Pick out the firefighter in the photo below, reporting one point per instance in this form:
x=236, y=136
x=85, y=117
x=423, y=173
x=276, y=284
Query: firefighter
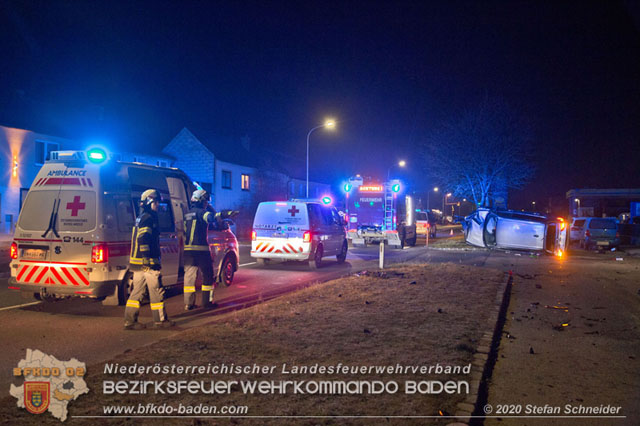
x=196, y=250
x=145, y=264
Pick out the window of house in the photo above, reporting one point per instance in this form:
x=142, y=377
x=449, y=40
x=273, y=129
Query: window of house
x=44, y=149
x=245, y=182
x=226, y=179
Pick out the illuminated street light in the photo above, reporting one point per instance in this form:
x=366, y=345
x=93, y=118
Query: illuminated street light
x=401, y=163
x=435, y=189
x=329, y=124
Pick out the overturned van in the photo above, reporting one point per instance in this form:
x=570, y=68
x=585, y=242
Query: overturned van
x=73, y=236
x=515, y=230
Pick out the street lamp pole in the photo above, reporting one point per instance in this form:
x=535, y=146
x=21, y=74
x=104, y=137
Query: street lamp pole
x=429, y=197
x=328, y=124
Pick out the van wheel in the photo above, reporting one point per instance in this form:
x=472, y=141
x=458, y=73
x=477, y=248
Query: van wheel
x=121, y=292
x=316, y=263
x=226, y=271
x=262, y=261
x=342, y=256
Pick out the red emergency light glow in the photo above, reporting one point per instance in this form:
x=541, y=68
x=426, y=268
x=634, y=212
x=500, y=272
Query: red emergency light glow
x=371, y=188
x=14, y=251
x=306, y=237
x=99, y=253
x=253, y=235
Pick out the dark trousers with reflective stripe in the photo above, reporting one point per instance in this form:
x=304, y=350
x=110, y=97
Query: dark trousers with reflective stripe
x=151, y=280
x=195, y=261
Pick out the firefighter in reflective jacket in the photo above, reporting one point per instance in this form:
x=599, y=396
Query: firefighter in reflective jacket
x=196, y=250
x=145, y=264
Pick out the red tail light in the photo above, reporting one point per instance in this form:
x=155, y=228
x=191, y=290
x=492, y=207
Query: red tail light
x=587, y=233
x=428, y=225
x=306, y=237
x=14, y=251
x=99, y=253
x=253, y=235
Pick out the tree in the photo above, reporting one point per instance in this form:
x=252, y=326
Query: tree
x=481, y=153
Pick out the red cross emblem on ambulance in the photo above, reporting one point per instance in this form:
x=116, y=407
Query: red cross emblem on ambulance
x=293, y=210
x=75, y=206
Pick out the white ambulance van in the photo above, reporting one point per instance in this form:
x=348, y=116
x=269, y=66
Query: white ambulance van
x=73, y=236
x=298, y=230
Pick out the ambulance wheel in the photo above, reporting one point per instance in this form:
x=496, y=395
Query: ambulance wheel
x=262, y=261
x=226, y=271
x=342, y=256
x=316, y=263
x=121, y=292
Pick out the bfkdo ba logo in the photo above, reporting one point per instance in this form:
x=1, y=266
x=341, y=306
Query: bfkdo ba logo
x=49, y=384
x=36, y=396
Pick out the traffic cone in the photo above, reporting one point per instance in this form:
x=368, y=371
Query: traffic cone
x=451, y=232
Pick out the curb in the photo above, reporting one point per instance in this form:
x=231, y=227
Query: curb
x=470, y=412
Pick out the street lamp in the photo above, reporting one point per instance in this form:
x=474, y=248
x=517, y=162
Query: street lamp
x=444, y=198
x=329, y=124
x=435, y=189
x=533, y=203
x=401, y=163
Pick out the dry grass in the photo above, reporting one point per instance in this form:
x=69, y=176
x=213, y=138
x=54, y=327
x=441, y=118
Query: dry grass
x=408, y=315
x=457, y=241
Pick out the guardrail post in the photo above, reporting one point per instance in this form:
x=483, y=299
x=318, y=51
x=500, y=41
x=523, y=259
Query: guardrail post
x=381, y=257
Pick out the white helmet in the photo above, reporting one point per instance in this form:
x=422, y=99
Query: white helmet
x=200, y=195
x=149, y=196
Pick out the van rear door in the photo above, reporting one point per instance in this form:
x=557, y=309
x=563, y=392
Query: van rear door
x=281, y=220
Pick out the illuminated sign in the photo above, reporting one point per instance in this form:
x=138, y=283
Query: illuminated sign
x=371, y=188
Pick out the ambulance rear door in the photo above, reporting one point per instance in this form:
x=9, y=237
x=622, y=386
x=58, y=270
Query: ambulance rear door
x=59, y=215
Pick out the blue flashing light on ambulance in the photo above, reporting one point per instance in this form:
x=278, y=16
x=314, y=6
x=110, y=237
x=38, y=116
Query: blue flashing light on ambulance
x=379, y=212
x=73, y=235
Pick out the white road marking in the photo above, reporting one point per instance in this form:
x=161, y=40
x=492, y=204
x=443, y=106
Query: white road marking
x=247, y=264
x=19, y=306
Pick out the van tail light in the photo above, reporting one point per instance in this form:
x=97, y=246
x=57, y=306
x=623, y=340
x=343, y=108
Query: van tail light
x=253, y=235
x=587, y=233
x=14, y=251
x=99, y=253
x=562, y=225
x=428, y=225
x=306, y=237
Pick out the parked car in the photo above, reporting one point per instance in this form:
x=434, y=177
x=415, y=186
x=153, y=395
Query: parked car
x=600, y=232
x=426, y=221
x=298, y=230
x=576, y=231
x=516, y=230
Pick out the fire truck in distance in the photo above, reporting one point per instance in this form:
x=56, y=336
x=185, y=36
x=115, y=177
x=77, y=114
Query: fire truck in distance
x=379, y=212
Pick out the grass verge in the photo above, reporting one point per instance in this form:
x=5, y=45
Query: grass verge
x=419, y=315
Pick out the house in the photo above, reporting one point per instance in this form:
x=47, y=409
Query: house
x=237, y=175
x=23, y=152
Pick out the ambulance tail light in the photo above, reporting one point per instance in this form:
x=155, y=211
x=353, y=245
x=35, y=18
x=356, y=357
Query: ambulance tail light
x=99, y=253
x=306, y=237
x=14, y=251
x=253, y=235
x=587, y=233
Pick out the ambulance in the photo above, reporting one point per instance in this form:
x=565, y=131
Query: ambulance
x=298, y=230
x=73, y=235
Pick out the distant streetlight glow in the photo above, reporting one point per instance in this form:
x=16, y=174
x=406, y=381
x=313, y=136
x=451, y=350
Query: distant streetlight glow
x=329, y=124
x=402, y=163
x=435, y=189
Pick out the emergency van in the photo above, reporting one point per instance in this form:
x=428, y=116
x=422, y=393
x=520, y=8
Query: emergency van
x=73, y=235
x=298, y=230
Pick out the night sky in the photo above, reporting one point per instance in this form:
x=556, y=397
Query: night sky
x=132, y=74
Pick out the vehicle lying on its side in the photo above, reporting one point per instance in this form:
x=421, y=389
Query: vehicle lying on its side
x=515, y=230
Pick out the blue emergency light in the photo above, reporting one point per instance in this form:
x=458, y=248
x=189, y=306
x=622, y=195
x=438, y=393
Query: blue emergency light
x=326, y=199
x=347, y=187
x=395, y=187
x=96, y=155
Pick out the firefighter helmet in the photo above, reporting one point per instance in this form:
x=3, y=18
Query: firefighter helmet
x=149, y=196
x=200, y=195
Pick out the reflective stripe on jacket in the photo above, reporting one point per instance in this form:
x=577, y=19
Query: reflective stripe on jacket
x=145, y=242
x=196, y=223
